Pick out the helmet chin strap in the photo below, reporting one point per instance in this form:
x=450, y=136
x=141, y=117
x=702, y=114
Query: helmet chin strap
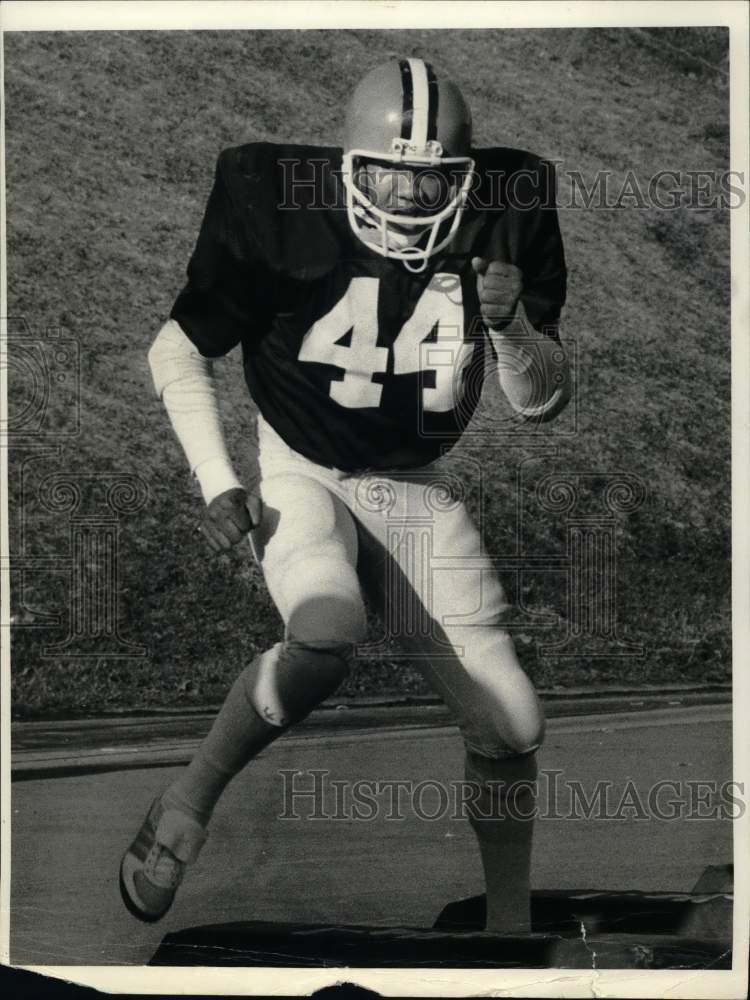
x=371, y=232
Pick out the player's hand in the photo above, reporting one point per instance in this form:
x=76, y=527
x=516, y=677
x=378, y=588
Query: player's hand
x=499, y=286
x=229, y=517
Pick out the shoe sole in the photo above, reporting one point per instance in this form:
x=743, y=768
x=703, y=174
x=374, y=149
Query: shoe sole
x=130, y=906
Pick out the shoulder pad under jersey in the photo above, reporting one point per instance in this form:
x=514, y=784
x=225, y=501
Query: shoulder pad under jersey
x=285, y=196
x=512, y=178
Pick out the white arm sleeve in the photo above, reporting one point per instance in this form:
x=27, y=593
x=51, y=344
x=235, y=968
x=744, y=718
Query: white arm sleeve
x=533, y=371
x=184, y=380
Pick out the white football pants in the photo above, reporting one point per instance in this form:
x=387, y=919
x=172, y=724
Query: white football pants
x=404, y=541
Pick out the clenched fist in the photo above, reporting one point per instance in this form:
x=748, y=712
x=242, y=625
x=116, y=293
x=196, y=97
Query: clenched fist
x=498, y=286
x=229, y=517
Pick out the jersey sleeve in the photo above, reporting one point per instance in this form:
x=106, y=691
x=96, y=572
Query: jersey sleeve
x=542, y=258
x=225, y=300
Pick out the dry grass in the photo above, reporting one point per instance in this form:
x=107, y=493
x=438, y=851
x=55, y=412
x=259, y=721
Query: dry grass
x=111, y=144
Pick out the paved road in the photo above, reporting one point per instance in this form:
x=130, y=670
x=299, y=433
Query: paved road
x=69, y=832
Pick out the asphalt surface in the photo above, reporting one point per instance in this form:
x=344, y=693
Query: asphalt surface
x=70, y=826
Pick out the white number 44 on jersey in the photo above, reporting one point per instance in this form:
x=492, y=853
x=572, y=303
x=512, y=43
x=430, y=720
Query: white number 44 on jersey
x=440, y=306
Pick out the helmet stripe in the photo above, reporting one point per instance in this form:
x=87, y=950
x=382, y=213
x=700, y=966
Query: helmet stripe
x=407, y=109
x=432, y=115
x=421, y=102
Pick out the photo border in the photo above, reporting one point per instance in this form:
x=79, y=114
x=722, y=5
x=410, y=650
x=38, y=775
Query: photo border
x=32, y=16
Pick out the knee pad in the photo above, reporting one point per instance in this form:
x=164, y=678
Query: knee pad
x=288, y=681
x=524, y=734
x=495, y=730
x=498, y=710
x=328, y=618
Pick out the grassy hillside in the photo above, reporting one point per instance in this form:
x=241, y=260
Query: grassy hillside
x=111, y=145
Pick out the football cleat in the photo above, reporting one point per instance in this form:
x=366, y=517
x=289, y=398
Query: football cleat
x=406, y=166
x=152, y=867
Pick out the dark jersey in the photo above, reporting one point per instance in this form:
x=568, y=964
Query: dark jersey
x=355, y=361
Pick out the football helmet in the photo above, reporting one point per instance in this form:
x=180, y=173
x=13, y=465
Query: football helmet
x=406, y=166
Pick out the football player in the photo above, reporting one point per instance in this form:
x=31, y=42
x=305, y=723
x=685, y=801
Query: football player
x=366, y=286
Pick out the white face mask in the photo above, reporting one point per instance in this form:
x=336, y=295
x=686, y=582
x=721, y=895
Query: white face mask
x=396, y=231
x=371, y=234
